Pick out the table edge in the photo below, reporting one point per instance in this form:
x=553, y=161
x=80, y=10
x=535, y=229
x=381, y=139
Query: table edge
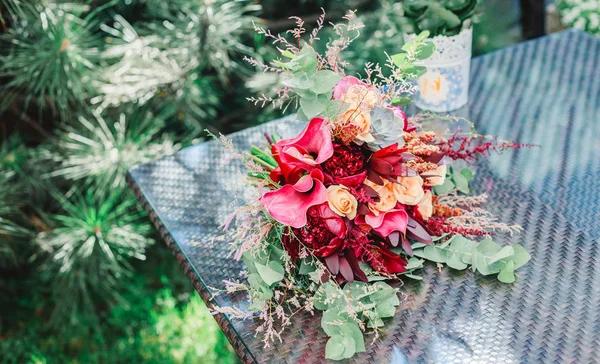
x=222, y=320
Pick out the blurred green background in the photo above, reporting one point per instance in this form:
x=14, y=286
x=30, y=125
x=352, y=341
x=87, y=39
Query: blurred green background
x=88, y=88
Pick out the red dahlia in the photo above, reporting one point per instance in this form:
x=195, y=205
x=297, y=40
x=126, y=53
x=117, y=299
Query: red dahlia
x=347, y=160
x=324, y=232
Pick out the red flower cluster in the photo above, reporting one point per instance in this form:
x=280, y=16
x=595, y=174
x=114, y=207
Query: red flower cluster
x=342, y=201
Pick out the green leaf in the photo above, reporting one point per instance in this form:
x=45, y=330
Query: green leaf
x=329, y=317
x=312, y=107
x=325, y=81
x=307, y=266
x=352, y=330
x=286, y=53
x=444, y=188
x=425, y=50
x=334, y=349
x=461, y=182
x=455, y=262
x=520, y=256
x=375, y=322
x=469, y=174
x=505, y=252
x=270, y=274
x=299, y=81
x=433, y=253
x=415, y=71
x=414, y=263
x=418, y=245
x=401, y=101
x=385, y=309
x=349, y=347
x=399, y=59
x=412, y=276
x=507, y=274
x=423, y=35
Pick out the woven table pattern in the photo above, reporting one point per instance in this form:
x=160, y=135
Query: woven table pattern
x=544, y=92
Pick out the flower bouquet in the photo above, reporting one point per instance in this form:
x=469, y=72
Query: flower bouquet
x=363, y=195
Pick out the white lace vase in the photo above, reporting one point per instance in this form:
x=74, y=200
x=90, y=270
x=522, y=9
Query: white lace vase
x=445, y=86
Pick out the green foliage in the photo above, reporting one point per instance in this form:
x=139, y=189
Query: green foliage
x=164, y=321
x=87, y=251
x=47, y=56
x=418, y=49
x=102, y=151
x=447, y=17
x=485, y=257
x=455, y=179
x=366, y=303
x=314, y=88
x=584, y=15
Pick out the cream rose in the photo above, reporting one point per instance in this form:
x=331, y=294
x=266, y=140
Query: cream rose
x=360, y=119
x=409, y=190
x=362, y=95
x=387, y=199
x=425, y=206
x=341, y=201
x=439, y=178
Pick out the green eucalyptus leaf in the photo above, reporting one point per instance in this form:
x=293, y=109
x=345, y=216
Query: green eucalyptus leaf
x=334, y=349
x=469, y=174
x=520, y=256
x=271, y=274
x=352, y=330
x=434, y=254
x=505, y=252
x=455, y=262
x=461, y=182
x=412, y=276
x=325, y=81
x=312, y=107
x=507, y=274
x=329, y=321
x=299, y=81
x=307, y=266
x=444, y=188
x=414, y=263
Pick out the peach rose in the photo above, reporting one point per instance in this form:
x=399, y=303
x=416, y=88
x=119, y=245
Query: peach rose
x=387, y=199
x=362, y=95
x=440, y=177
x=341, y=201
x=360, y=119
x=425, y=206
x=409, y=190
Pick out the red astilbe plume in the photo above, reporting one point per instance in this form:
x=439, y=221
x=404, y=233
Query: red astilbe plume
x=469, y=148
x=440, y=226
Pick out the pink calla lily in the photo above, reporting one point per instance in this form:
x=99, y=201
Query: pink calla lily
x=289, y=204
x=386, y=222
x=303, y=153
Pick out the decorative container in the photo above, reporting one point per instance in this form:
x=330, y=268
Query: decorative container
x=445, y=86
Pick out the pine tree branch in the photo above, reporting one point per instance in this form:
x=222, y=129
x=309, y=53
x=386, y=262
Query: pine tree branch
x=33, y=123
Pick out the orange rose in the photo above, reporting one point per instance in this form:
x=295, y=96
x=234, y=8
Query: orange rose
x=387, y=199
x=440, y=177
x=425, y=206
x=341, y=201
x=409, y=190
